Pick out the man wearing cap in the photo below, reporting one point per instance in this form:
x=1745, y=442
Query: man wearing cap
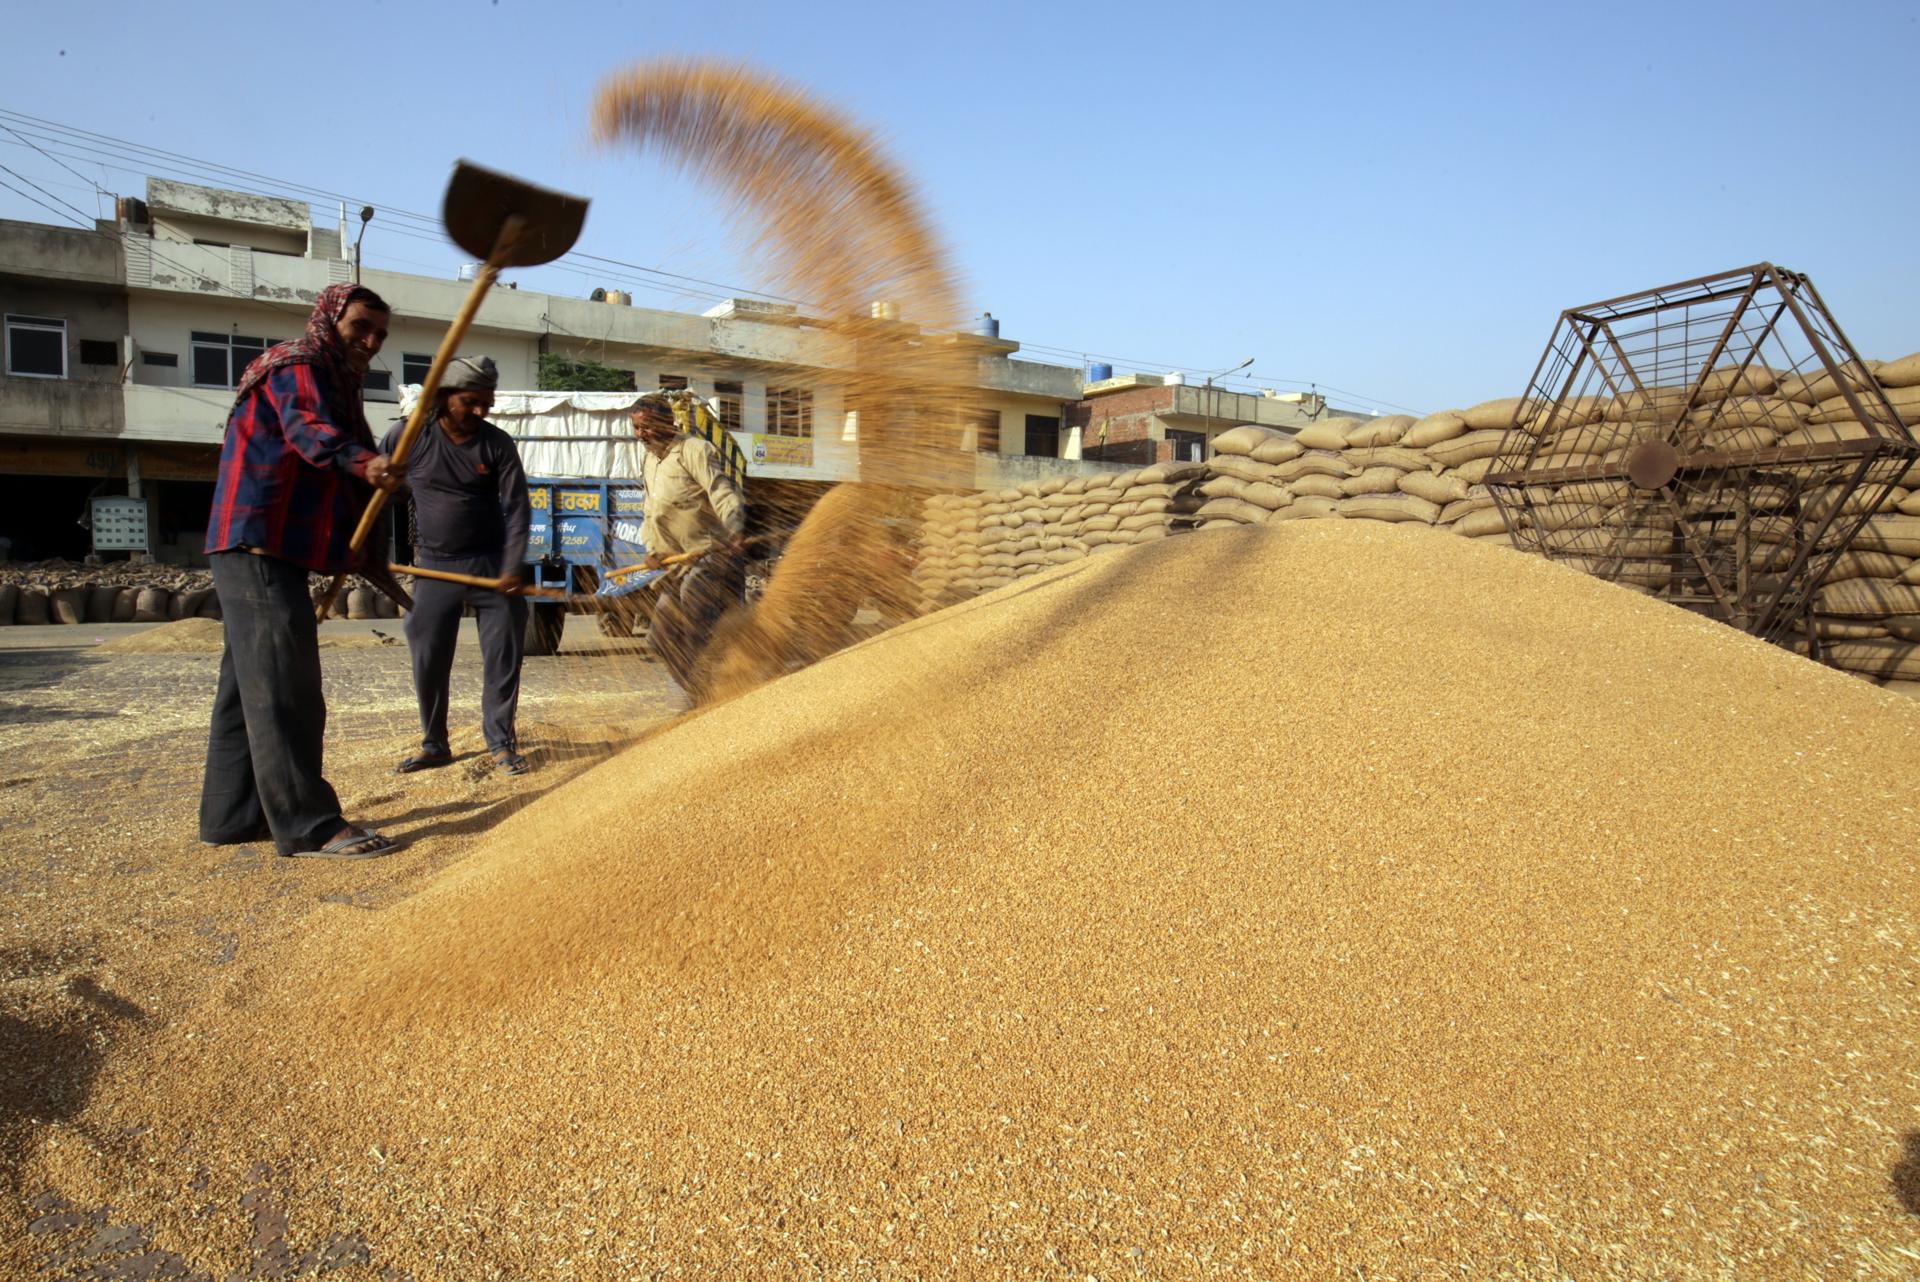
x=693, y=506
x=471, y=516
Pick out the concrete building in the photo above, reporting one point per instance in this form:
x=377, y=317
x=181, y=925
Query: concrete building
x=123, y=344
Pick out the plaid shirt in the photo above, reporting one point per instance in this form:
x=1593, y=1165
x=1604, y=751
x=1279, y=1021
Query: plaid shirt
x=289, y=474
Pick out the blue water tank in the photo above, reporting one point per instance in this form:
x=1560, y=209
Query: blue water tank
x=987, y=326
x=1099, y=373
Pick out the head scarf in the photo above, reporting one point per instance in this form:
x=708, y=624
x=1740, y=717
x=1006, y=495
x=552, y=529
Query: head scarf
x=470, y=374
x=321, y=346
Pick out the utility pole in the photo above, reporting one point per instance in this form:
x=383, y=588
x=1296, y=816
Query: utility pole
x=366, y=216
x=1206, y=412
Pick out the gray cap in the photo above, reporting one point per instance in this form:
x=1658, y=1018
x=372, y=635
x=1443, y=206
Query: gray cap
x=471, y=374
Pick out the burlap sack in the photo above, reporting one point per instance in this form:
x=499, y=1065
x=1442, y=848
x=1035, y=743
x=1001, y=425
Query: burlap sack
x=1282, y=451
x=1318, y=463
x=1904, y=372
x=1240, y=442
x=1732, y=440
x=1892, y=658
x=1593, y=493
x=1161, y=473
x=152, y=605
x=1829, y=629
x=1305, y=507
x=1316, y=486
x=1651, y=405
x=1764, y=411
x=384, y=606
x=1322, y=436
x=9, y=603
x=100, y=602
x=1374, y=480
x=1867, y=598
x=1474, y=471
x=1149, y=535
x=1244, y=469
x=1145, y=521
x=31, y=609
x=1230, y=509
x=1388, y=507
x=69, y=605
x=1396, y=456
x=1486, y=520
x=1270, y=497
x=1904, y=626
x=1434, y=487
x=1855, y=564
x=1905, y=402
x=1123, y=510
x=1539, y=417
x=1433, y=429
x=191, y=601
x=1465, y=507
x=1223, y=487
x=1460, y=450
x=1733, y=380
x=1381, y=431
x=1495, y=415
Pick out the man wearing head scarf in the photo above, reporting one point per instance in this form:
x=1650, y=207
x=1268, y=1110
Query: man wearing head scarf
x=471, y=515
x=693, y=506
x=297, y=468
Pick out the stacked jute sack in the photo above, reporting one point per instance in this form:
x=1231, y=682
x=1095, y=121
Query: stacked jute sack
x=122, y=592
x=973, y=543
x=359, y=600
x=1431, y=471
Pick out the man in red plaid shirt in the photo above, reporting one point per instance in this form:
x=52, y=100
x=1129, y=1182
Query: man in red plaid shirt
x=296, y=471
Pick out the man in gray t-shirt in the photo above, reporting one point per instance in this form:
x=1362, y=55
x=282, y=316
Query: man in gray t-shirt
x=471, y=515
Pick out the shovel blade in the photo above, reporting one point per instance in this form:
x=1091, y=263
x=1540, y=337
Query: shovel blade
x=479, y=201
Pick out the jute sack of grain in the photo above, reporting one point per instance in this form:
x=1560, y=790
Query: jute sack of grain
x=190, y=602
x=1029, y=544
x=1486, y=520
x=1161, y=473
x=1905, y=401
x=1150, y=534
x=9, y=603
x=1433, y=429
x=1498, y=539
x=1283, y=451
x=1157, y=490
x=1434, y=487
x=1100, y=524
x=1475, y=470
x=1317, y=486
x=1855, y=564
x=1394, y=456
x=1651, y=404
x=1270, y=497
x=1457, y=451
x=32, y=608
x=1061, y=556
x=1323, y=436
x=1815, y=384
x=1145, y=521
x=1239, y=442
x=1026, y=559
x=1465, y=507
x=69, y=605
x=1318, y=463
x=1374, y=480
x=1733, y=380
x=1907, y=506
x=1388, y=507
x=1232, y=510
x=1497, y=415
x=1244, y=469
x=100, y=603
x=1123, y=510
x=1762, y=411
x=997, y=561
x=1305, y=507
x=1223, y=487
x=1219, y=525
x=1729, y=440
x=1381, y=431
x=1830, y=629
x=1904, y=372
x=1593, y=493
x=1904, y=626
x=1592, y=541
x=1891, y=658
x=152, y=605
x=1538, y=417
x=1867, y=599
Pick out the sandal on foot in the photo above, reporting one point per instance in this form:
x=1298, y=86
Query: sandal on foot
x=352, y=844
x=423, y=761
x=510, y=762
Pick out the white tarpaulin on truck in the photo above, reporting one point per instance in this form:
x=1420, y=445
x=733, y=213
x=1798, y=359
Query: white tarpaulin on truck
x=565, y=434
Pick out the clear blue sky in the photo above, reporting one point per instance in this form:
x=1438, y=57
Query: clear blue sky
x=1393, y=199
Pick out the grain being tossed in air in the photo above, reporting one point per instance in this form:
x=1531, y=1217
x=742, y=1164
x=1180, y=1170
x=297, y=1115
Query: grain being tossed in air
x=1411, y=908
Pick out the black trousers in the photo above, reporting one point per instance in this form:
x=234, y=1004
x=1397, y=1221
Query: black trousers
x=269, y=714
x=433, y=628
x=684, y=618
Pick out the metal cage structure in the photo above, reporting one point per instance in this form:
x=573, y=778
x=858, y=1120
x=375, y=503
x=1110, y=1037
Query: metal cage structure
x=1715, y=443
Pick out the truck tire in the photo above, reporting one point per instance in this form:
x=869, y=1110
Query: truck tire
x=546, y=620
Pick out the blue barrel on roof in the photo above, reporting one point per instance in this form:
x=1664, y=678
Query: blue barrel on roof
x=1099, y=373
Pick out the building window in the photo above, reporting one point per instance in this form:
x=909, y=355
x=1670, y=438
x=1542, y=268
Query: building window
x=789, y=411
x=414, y=367
x=1188, y=447
x=36, y=347
x=220, y=359
x=167, y=360
x=99, y=351
x=729, y=397
x=378, y=381
x=673, y=382
x=1043, y=436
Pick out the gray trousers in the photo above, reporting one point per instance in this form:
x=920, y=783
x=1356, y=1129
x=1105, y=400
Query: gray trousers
x=433, y=628
x=269, y=714
x=684, y=618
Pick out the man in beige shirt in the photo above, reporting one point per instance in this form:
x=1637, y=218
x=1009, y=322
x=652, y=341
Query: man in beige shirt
x=692, y=505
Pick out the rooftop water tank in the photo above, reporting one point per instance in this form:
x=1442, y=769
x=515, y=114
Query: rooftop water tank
x=1099, y=372
x=1176, y=379
x=469, y=271
x=987, y=326
x=619, y=298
